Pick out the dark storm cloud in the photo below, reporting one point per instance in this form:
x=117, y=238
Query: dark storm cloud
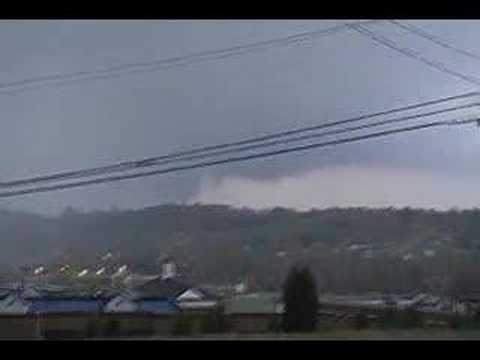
x=99, y=122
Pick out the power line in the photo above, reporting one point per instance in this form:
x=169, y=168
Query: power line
x=193, y=153
x=233, y=159
x=412, y=54
x=310, y=136
x=153, y=65
x=433, y=38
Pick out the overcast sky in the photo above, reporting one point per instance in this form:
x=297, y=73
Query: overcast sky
x=98, y=122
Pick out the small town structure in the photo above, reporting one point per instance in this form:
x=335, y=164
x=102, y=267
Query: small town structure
x=254, y=313
x=155, y=305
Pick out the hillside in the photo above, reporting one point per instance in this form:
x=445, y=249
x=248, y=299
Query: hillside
x=352, y=249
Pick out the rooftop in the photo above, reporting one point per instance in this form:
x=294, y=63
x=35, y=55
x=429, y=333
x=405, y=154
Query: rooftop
x=159, y=288
x=255, y=303
x=61, y=306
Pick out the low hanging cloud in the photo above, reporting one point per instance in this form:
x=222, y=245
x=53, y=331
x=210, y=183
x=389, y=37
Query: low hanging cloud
x=344, y=186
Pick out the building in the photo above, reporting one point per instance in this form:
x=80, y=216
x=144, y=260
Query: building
x=14, y=321
x=369, y=300
x=177, y=291
x=254, y=313
x=129, y=313
x=65, y=305
x=467, y=304
x=123, y=303
x=156, y=307
x=12, y=303
x=169, y=269
x=135, y=280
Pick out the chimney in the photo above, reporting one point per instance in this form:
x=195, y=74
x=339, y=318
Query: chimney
x=169, y=269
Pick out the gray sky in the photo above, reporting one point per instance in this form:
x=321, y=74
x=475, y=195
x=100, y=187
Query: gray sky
x=99, y=122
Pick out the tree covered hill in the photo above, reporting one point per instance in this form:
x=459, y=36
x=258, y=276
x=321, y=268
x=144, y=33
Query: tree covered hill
x=351, y=249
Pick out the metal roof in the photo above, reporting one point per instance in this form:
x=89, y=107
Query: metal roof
x=61, y=306
x=156, y=307
x=256, y=303
x=161, y=289
x=13, y=305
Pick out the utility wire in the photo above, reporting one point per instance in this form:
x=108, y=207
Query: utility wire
x=309, y=136
x=433, y=38
x=233, y=159
x=193, y=153
x=413, y=54
x=149, y=66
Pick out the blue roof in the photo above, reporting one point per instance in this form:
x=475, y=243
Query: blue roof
x=57, y=306
x=157, y=307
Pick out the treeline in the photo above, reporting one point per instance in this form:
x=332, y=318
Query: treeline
x=352, y=249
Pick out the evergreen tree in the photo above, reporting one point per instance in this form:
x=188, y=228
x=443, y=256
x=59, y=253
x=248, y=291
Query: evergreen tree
x=301, y=301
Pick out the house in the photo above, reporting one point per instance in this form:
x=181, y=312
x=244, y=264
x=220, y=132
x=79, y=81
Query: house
x=133, y=312
x=73, y=313
x=32, y=312
x=21, y=298
x=219, y=291
x=254, y=313
x=14, y=322
x=48, y=306
x=12, y=303
x=196, y=299
x=410, y=301
x=255, y=303
x=17, y=300
x=30, y=292
x=134, y=280
x=368, y=300
x=182, y=294
x=172, y=287
x=467, y=304
x=159, y=287
x=156, y=307
x=433, y=304
x=73, y=301
x=120, y=304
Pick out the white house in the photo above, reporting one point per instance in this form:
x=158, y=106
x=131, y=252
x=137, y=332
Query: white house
x=123, y=303
x=194, y=299
x=183, y=295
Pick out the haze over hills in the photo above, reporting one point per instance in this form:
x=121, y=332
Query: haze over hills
x=351, y=249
